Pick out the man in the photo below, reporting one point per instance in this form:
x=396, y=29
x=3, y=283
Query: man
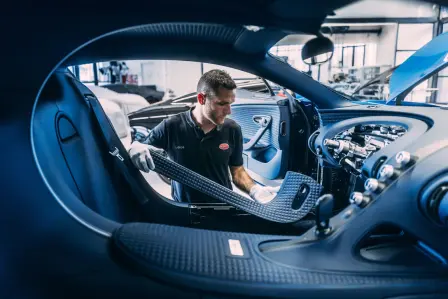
x=124, y=71
x=205, y=141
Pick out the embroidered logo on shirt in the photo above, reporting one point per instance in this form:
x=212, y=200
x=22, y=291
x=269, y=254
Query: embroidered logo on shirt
x=224, y=146
x=179, y=147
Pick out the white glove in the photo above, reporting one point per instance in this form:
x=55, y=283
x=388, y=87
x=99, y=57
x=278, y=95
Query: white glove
x=263, y=194
x=141, y=157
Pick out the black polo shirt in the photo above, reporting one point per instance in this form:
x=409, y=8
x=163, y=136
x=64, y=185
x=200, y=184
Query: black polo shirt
x=208, y=154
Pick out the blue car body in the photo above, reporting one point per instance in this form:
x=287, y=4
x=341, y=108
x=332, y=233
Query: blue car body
x=424, y=63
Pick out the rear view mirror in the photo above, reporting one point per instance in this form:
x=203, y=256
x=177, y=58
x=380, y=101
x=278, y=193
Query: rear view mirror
x=317, y=51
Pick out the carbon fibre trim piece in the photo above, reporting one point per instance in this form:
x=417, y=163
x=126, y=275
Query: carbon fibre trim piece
x=212, y=32
x=295, y=187
x=202, y=259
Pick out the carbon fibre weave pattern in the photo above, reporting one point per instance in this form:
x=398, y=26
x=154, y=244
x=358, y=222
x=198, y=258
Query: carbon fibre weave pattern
x=212, y=32
x=171, y=250
x=278, y=210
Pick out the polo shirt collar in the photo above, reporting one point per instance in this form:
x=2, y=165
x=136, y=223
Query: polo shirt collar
x=192, y=123
x=190, y=119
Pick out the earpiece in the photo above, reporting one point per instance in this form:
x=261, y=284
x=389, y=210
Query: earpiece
x=201, y=98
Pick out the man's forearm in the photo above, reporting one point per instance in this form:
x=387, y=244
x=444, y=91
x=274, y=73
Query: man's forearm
x=242, y=179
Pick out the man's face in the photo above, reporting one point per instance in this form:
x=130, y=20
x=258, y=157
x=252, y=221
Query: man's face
x=218, y=107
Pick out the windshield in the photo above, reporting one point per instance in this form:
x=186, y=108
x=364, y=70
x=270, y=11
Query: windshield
x=429, y=90
x=364, y=59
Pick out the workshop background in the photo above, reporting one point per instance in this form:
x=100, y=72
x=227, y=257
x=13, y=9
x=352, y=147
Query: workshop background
x=369, y=39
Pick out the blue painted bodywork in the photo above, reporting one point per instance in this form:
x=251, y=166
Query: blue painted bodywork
x=392, y=103
x=430, y=59
x=424, y=63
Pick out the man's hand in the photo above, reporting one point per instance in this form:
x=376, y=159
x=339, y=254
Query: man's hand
x=263, y=194
x=141, y=157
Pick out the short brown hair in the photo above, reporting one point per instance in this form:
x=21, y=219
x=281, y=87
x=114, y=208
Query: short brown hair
x=211, y=81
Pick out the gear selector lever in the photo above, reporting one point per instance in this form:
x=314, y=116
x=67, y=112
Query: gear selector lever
x=324, y=211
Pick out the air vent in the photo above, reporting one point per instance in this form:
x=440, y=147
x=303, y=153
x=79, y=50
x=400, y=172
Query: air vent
x=434, y=201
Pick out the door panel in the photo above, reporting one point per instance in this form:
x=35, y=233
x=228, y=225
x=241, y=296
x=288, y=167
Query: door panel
x=243, y=113
x=268, y=158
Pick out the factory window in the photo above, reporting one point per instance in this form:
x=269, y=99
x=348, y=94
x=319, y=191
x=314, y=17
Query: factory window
x=411, y=37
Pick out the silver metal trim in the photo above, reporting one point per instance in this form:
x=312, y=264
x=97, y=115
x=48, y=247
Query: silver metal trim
x=403, y=158
x=386, y=171
x=371, y=185
x=356, y=198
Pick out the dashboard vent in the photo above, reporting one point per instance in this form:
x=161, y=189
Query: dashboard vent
x=434, y=201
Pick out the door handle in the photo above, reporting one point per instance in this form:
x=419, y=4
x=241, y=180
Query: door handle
x=264, y=121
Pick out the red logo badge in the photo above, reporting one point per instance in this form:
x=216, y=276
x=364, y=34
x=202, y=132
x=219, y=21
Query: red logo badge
x=224, y=146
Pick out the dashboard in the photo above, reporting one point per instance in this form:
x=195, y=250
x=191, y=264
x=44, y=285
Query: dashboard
x=400, y=155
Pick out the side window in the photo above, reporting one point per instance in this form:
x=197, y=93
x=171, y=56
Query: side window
x=188, y=100
x=153, y=81
x=244, y=80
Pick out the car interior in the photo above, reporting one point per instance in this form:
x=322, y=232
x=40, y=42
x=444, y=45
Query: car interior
x=266, y=121
x=361, y=212
x=265, y=156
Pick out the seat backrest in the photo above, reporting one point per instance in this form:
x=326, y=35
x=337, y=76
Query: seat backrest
x=67, y=145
